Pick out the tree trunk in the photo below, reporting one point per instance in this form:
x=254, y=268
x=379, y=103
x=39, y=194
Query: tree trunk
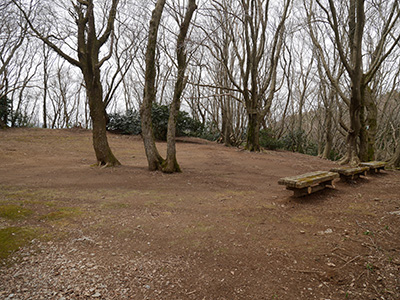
x=45, y=87
x=103, y=152
x=395, y=160
x=372, y=123
x=351, y=157
x=90, y=66
x=253, y=133
x=356, y=29
x=329, y=137
x=227, y=130
x=154, y=159
x=363, y=147
x=171, y=164
x=369, y=126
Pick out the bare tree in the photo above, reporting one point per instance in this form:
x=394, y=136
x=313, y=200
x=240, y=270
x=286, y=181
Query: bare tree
x=12, y=34
x=154, y=158
x=155, y=161
x=87, y=49
x=348, y=40
x=171, y=164
x=254, y=73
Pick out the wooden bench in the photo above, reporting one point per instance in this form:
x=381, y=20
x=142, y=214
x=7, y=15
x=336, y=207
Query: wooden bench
x=350, y=173
x=308, y=183
x=374, y=166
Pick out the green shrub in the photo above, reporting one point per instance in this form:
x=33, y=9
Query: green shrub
x=187, y=126
x=20, y=120
x=297, y=142
x=334, y=155
x=129, y=123
x=160, y=115
x=294, y=141
x=5, y=110
x=268, y=141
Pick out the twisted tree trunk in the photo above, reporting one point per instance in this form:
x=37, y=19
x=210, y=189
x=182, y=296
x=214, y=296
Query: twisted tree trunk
x=171, y=164
x=154, y=159
x=395, y=160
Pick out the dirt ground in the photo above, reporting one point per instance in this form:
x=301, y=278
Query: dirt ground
x=222, y=229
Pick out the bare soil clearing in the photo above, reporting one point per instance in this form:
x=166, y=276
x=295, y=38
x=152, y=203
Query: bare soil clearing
x=222, y=229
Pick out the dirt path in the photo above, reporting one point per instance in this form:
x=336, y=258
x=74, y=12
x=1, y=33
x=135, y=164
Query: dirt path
x=222, y=229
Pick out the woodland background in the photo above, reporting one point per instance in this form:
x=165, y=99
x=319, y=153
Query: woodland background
x=314, y=76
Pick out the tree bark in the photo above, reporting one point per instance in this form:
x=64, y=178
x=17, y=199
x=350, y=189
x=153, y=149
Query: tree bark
x=226, y=115
x=253, y=133
x=352, y=157
x=329, y=121
x=371, y=123
x=154, y=159
x=103, y=152
x=363, y=145
x=45, y=86
x=171, y=164
x=90, y=65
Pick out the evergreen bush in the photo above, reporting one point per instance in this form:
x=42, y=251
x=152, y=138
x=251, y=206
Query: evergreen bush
x=268, y=141
x=297, y=141
x=129, y=123
x=5, y=111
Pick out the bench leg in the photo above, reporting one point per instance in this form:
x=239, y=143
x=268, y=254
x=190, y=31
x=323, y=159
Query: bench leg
x=377, y=170
x=328, y=183
x=353, y=177
x=311, y=189
x=302, y=192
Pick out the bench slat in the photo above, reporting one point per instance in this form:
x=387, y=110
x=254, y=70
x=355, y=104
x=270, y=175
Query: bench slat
x=349, y=171
x=374, y=164
x=308, y=179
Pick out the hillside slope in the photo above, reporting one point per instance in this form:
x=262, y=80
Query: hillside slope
x=222, y=229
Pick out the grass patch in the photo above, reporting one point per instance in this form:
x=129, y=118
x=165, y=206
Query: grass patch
x=114, y=205
x=25, y=194
x=14, y=212
x=62, y=213
x=48, y=204
x=13, y=238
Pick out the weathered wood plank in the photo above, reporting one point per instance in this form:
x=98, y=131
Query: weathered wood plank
x=348, y=172
x=308, y=179
x=374, y=166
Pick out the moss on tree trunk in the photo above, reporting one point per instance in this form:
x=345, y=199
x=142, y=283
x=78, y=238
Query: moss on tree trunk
x=253, y=133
